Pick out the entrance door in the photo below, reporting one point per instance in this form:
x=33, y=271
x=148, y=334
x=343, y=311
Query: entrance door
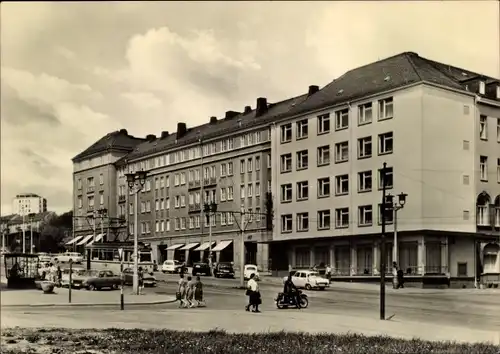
x=251, y=253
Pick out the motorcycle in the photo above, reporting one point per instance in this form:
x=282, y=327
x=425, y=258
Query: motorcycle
x=283, y=302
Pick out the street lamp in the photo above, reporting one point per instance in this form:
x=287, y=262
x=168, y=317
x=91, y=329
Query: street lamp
x=136, y=182
x=31, y=217
x=102, y=214
x=395, y=206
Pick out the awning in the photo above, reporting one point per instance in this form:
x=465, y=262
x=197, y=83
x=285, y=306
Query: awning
x=189, y=246
x=97, y=239
x=74, y=240
x=221, y=245
x=174, y=247
x=204, y=246
x=85, y=240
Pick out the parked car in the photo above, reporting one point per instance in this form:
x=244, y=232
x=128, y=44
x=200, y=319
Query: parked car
x=148, y=278
x=67, y=256
x=249, y=270
x=65, y=276
x=44, y=257
x=96, y=280
x=308, y=279
x=171, y=266
x=224, y=270
x=201, y=268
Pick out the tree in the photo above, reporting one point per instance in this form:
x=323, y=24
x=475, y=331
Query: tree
x=54, y=230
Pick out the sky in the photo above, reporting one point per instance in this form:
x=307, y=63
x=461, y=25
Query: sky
x=72, y=72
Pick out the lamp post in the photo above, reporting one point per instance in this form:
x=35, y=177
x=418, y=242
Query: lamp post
x=136, y=182
x=395, y=206
x=382, y=245
x=31, y=217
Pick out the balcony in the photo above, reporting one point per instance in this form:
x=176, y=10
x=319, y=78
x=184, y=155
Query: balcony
x=122, y=199
x=194, y=208
x=209, y=181
x=90, y=190
x=194, y=185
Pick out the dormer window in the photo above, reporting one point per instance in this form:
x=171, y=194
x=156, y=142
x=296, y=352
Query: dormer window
x=498, y=92
x=482, y=87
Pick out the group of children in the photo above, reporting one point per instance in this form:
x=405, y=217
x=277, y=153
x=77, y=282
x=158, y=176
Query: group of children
x=190, y=292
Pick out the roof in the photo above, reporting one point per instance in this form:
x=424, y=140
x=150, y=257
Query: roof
x=117, y=140
x=391, y=73
x=15, y=219
x=213, y=130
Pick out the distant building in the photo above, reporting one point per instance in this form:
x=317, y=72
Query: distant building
x=24, y=204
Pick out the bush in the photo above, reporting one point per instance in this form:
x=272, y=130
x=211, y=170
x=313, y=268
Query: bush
x=215, y=341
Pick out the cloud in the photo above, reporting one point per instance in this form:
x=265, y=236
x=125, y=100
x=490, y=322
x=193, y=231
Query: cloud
x=65, y=53
x=143, y=99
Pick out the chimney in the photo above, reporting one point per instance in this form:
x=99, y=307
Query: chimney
x=181, y=130
x=247, y=110
x=150, y=137
x=124, y=131
x=312, y=90
x=213, y=120
x=164, y=134
x=261, y=106
x=231, y=114
x=482, y=88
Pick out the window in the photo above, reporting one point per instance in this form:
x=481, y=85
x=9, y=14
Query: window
x=286, y=133
x=101, y=198
x=167, y=181
x=286, y=193
x=223, y=170
x=79, y=183
x=498, y=170
x=162, y=226
x=324, y=220
x=242, y=191
x=341, y=218
x=250, y=165
x=257, y=189
x=90, y=181
x=389, y=215
x=131, y=209
x=342, y=119
x=162, y=204
x=389, y=178
x=324, y=187
x=176, y=180
x=230, y=192
x=385, y=143
x=101, y=179
x=385, y=109
x=364, y=147
x=229, y=168
x=177, y=201
x=483, y=218
x=342, y=185
x=302, y=160
x=364, y=181
x=462, y=269
x=257, y=214
x=157, y=226
x=286, y=223
x=342, y=152
x=483, y=127
x=183, y=178
x=286, y=163
x=302, y=190
x=324, y=155
x=365, y=217
x=365, y=113
x=223, y=194
x=302, y=222
x=250, y=190
x=183, y=201
x=80, y=202
x=269, y=161
x=257, y=163
x=242, y=166
x=157, y=205
x=230, y=218
x=324, y=124
x=302, y=129
x=466, y=144
x=483, y=168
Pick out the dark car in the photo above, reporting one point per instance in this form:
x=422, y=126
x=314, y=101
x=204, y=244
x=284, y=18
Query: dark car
x=201, y=268
x=224, y=270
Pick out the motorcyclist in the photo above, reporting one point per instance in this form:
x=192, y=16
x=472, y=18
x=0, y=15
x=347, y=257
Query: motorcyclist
x=291, y=291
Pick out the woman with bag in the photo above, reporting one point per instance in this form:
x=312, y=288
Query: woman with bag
x=254, y=294
x=181, y=291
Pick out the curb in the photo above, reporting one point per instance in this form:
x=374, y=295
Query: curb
x=161, y=302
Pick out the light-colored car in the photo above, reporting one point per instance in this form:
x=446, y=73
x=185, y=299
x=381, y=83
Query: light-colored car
x=171, y=266
x=45, y=257
x=148, y=278
x=67, y=256
x=308, y=279
x=65, y=276
x=249, y=270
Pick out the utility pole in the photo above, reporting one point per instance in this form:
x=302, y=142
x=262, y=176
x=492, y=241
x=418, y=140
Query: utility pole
x=31, y=235
x=24, y=233
x=242, y=250
x=382, y=246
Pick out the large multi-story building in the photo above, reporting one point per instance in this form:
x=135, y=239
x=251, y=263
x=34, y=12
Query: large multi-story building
x=316, y=161
x=28, y=203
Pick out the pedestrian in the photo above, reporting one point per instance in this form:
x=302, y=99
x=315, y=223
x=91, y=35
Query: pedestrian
x=395, y=282
x=59, y=276
x=181, y=291
x=190, y=291
x=401, y=281
x=329, y=273
x=140, y=275
x=198, y=292
x=254, y=294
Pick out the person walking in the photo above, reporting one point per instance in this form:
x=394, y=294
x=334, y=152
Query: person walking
x=140, y=275
x=190, y=291
x=198, y=292
x=395, y=282
x=254, y=294
x=329, y=273
x=181, y=291
x=59, y=276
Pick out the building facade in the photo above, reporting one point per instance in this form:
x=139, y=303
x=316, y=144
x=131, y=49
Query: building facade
x=309, y=169
x=29, y=203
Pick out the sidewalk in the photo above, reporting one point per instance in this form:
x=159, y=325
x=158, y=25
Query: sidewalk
x=36, y=298
x=243, y=322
